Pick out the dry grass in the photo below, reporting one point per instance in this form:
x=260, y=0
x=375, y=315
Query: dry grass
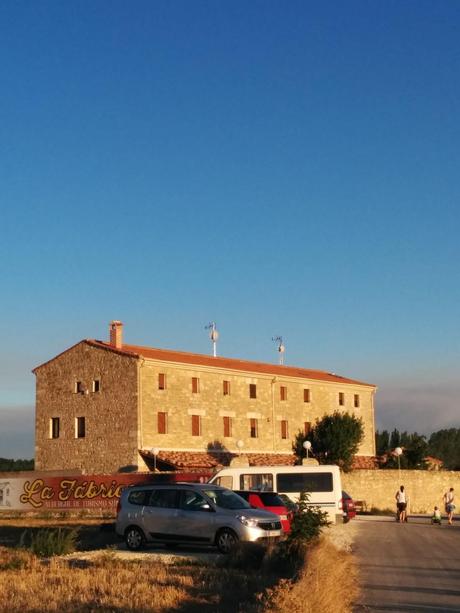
x=110, y=584
x=327, y=582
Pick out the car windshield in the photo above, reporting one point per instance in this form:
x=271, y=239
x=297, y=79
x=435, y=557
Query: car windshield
x=226, y=499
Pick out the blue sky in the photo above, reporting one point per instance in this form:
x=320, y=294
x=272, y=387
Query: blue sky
x=280, y=168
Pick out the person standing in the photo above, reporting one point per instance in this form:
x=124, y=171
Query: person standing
x=450, y=505
x=401, y=503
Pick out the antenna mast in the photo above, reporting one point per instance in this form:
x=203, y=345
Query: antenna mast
x=213, y=335
x=281, y=348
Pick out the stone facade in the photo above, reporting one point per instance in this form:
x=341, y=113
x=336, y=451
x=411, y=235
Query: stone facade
x=377, y=488
x=111, y=436
x=179, y=403
x=129, y=399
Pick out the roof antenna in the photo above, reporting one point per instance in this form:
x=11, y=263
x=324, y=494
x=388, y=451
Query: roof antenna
x=213, y=335
x=281, y=348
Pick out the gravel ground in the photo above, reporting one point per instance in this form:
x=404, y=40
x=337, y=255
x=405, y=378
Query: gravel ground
x=342, y=535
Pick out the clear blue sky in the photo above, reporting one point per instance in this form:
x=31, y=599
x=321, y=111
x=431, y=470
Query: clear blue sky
x=279, y=167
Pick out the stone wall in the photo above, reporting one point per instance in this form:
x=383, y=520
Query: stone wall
x=179, y=403
x=425, y=489
x=111, y=438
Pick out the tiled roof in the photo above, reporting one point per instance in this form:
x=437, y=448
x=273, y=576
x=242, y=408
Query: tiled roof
x=194, y=460
x=365, y=462
x=182, y=357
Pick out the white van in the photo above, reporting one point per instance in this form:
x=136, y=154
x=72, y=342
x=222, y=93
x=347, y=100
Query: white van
x=323, y=483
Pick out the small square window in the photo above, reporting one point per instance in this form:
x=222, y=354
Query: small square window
x=161, y=381
x=356, y=401
x=253, y=428
x=196, y=425
x=283, y=392
x=96, y=385
x=306, y=395
x=341, y=399
x=252, y=390
x=162, y=422
x=80, y=427
x=79, y=387
x=227, y=427
x=226, y=388
x=284, y=428
x=195, y=385
x=54, y=427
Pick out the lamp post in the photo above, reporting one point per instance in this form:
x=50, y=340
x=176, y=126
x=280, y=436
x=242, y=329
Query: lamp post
x=398, y=452
x=240, y=445
x=307, y=446
x=155, y=452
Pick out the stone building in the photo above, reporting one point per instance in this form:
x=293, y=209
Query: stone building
x=104, y=407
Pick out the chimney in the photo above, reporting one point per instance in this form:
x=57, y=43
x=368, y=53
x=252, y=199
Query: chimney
x=116, y=334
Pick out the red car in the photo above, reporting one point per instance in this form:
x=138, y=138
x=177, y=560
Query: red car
x=348, y=507
x=270, y=501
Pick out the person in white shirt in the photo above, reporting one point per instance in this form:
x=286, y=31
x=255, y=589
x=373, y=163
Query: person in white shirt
x=401, y=504
x=450, y=506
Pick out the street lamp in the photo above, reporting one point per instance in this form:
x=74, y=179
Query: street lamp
x=398, y=452
x=240, y=445
x=307, y=446
x=155, y=452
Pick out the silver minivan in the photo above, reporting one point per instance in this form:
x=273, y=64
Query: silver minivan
x=192, y=513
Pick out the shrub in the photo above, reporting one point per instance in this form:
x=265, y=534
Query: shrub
x=49, y=542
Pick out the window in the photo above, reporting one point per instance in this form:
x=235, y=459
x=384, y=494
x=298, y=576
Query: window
x=227, y=426
x=356, y=401
x=196, y=425
x=226, y=388
x=258, y=482
x=284, y=428
x=195, y=385
x=161, y=381
x=54, y=427
x=80, y=427
x=162, y=423
x=252, y=390
x=192, y=501
x=253, y=428
x=308, y=482
x=283, y=392
x=225, y=481
x=165, y=499
x=307, y=427
x=341, y=399
x=79, y=388
x=96, y=386
x=138, y=497
x=306, y=395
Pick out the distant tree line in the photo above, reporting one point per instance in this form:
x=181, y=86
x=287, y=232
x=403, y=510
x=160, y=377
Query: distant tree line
x=7, y=465
x=443, y=444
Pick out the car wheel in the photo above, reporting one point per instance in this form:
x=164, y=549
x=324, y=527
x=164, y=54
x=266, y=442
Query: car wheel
x=225, y=540
x=346, y=519
x=134, y=538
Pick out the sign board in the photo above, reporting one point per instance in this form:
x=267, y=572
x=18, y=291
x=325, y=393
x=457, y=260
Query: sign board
x=39, y=492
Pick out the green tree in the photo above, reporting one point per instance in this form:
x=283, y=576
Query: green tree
x=335, y=439
x=7, y=465
x=415, y=450
x=445, y=445
x=382, y=442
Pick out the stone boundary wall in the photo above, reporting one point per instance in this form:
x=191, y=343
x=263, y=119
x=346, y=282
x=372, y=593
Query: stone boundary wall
x=425, y=489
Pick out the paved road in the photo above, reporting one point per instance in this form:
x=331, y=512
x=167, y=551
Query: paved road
x=408, y=567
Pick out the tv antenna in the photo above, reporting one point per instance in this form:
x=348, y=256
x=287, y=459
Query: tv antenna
x=213, y=335
x=281, y=348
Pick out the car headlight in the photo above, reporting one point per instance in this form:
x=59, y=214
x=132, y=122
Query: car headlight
x=247, y=521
